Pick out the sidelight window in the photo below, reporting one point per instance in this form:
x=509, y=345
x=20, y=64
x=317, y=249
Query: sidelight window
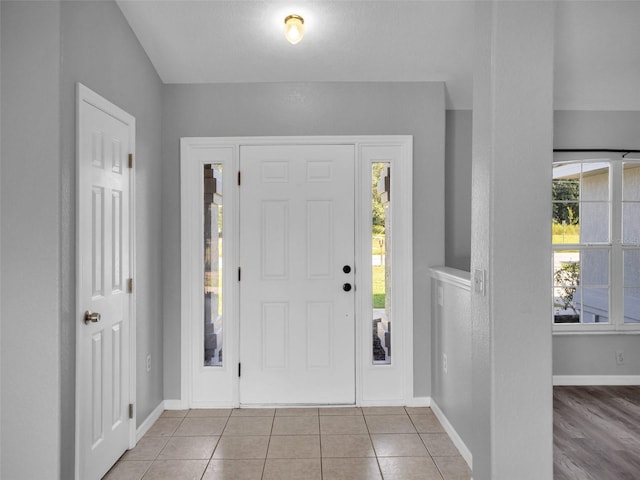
x=381, y=261
x=213, y=267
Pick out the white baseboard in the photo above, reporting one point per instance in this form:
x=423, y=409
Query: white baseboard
x=174, y=405
x=455, y=438
x=419, y=402
x=595, y=380
x=149, y=421
x=381, y=403
x=412, y=402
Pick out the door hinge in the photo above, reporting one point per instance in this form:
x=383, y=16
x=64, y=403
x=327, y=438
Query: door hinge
x=131, y=160
x=239, y=178
x=239, y=273
x=239, y=369
x=130, y=285
x=131, y=410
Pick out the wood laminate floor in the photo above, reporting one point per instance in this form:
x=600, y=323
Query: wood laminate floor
x=596, y=433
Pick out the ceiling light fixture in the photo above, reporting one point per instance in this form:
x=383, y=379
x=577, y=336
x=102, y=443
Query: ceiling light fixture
x=294, y=28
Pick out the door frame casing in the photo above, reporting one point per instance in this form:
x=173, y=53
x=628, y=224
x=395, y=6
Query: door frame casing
x=374, y=384
x=85, y=94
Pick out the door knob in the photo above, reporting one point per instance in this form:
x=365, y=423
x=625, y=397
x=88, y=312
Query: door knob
x=91, y=317
x=346, y=269
x=346, y=287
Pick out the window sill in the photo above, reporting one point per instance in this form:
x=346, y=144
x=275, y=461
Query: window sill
x=627, y=331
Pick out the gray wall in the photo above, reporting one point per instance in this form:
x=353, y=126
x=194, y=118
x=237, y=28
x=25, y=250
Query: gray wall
x=310, y=109
x=458, y=189
x=589, y=129
x=595, y=354
x=30, y=300
x=46, y=49
x=451, y=326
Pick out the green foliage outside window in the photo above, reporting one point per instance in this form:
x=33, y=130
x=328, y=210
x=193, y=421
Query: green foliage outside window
x=566, y=194
x=377, y=210
x=567, y=279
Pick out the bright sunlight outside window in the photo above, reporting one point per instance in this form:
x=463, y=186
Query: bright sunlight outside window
x=596, y=245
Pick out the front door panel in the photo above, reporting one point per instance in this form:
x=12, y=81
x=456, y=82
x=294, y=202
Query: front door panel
x=296, y=301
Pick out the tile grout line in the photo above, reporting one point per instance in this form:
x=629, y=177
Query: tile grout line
x=372, y=445
x=167, y=443
x=163, y=447
x=147, y=469
x=216, y=445
x=427, y=448
x=266, y=454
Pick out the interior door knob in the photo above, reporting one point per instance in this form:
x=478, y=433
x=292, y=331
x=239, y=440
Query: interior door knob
x=91, y=317
x=346, y=287
x=346, y=269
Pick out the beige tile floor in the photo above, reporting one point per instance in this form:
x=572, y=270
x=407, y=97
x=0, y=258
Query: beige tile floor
x=390, y=443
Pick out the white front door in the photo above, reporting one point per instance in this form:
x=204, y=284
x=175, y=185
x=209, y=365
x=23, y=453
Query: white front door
x=297, y=324
x=102, y=355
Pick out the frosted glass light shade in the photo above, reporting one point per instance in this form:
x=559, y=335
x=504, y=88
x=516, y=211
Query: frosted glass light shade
x=294, y=28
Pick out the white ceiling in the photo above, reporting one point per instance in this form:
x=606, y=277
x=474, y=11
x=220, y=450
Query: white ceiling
x=597, y=45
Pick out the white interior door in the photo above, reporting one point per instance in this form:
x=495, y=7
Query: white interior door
x=103, y=425
x=297, y=259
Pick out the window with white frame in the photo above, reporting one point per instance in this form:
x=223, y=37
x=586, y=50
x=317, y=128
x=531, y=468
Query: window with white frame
x=596, y=245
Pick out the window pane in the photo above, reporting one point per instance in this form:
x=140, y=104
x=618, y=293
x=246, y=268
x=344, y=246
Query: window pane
x=595, y=268
x=632, y=305
x=632, y=286
x=594, y=304
x=631, y=222
x=566, y=282
x=213, y=265
x=566, y=222
x=381, y=261
x=631, y=181
x=632, y=268
x=595, y=182
x=565, y=189
x=594, y=222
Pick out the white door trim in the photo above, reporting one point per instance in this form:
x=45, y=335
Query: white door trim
x=84, y=94
x=375, y=384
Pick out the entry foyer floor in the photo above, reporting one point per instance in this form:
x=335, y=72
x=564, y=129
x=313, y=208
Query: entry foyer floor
x=375, y=443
